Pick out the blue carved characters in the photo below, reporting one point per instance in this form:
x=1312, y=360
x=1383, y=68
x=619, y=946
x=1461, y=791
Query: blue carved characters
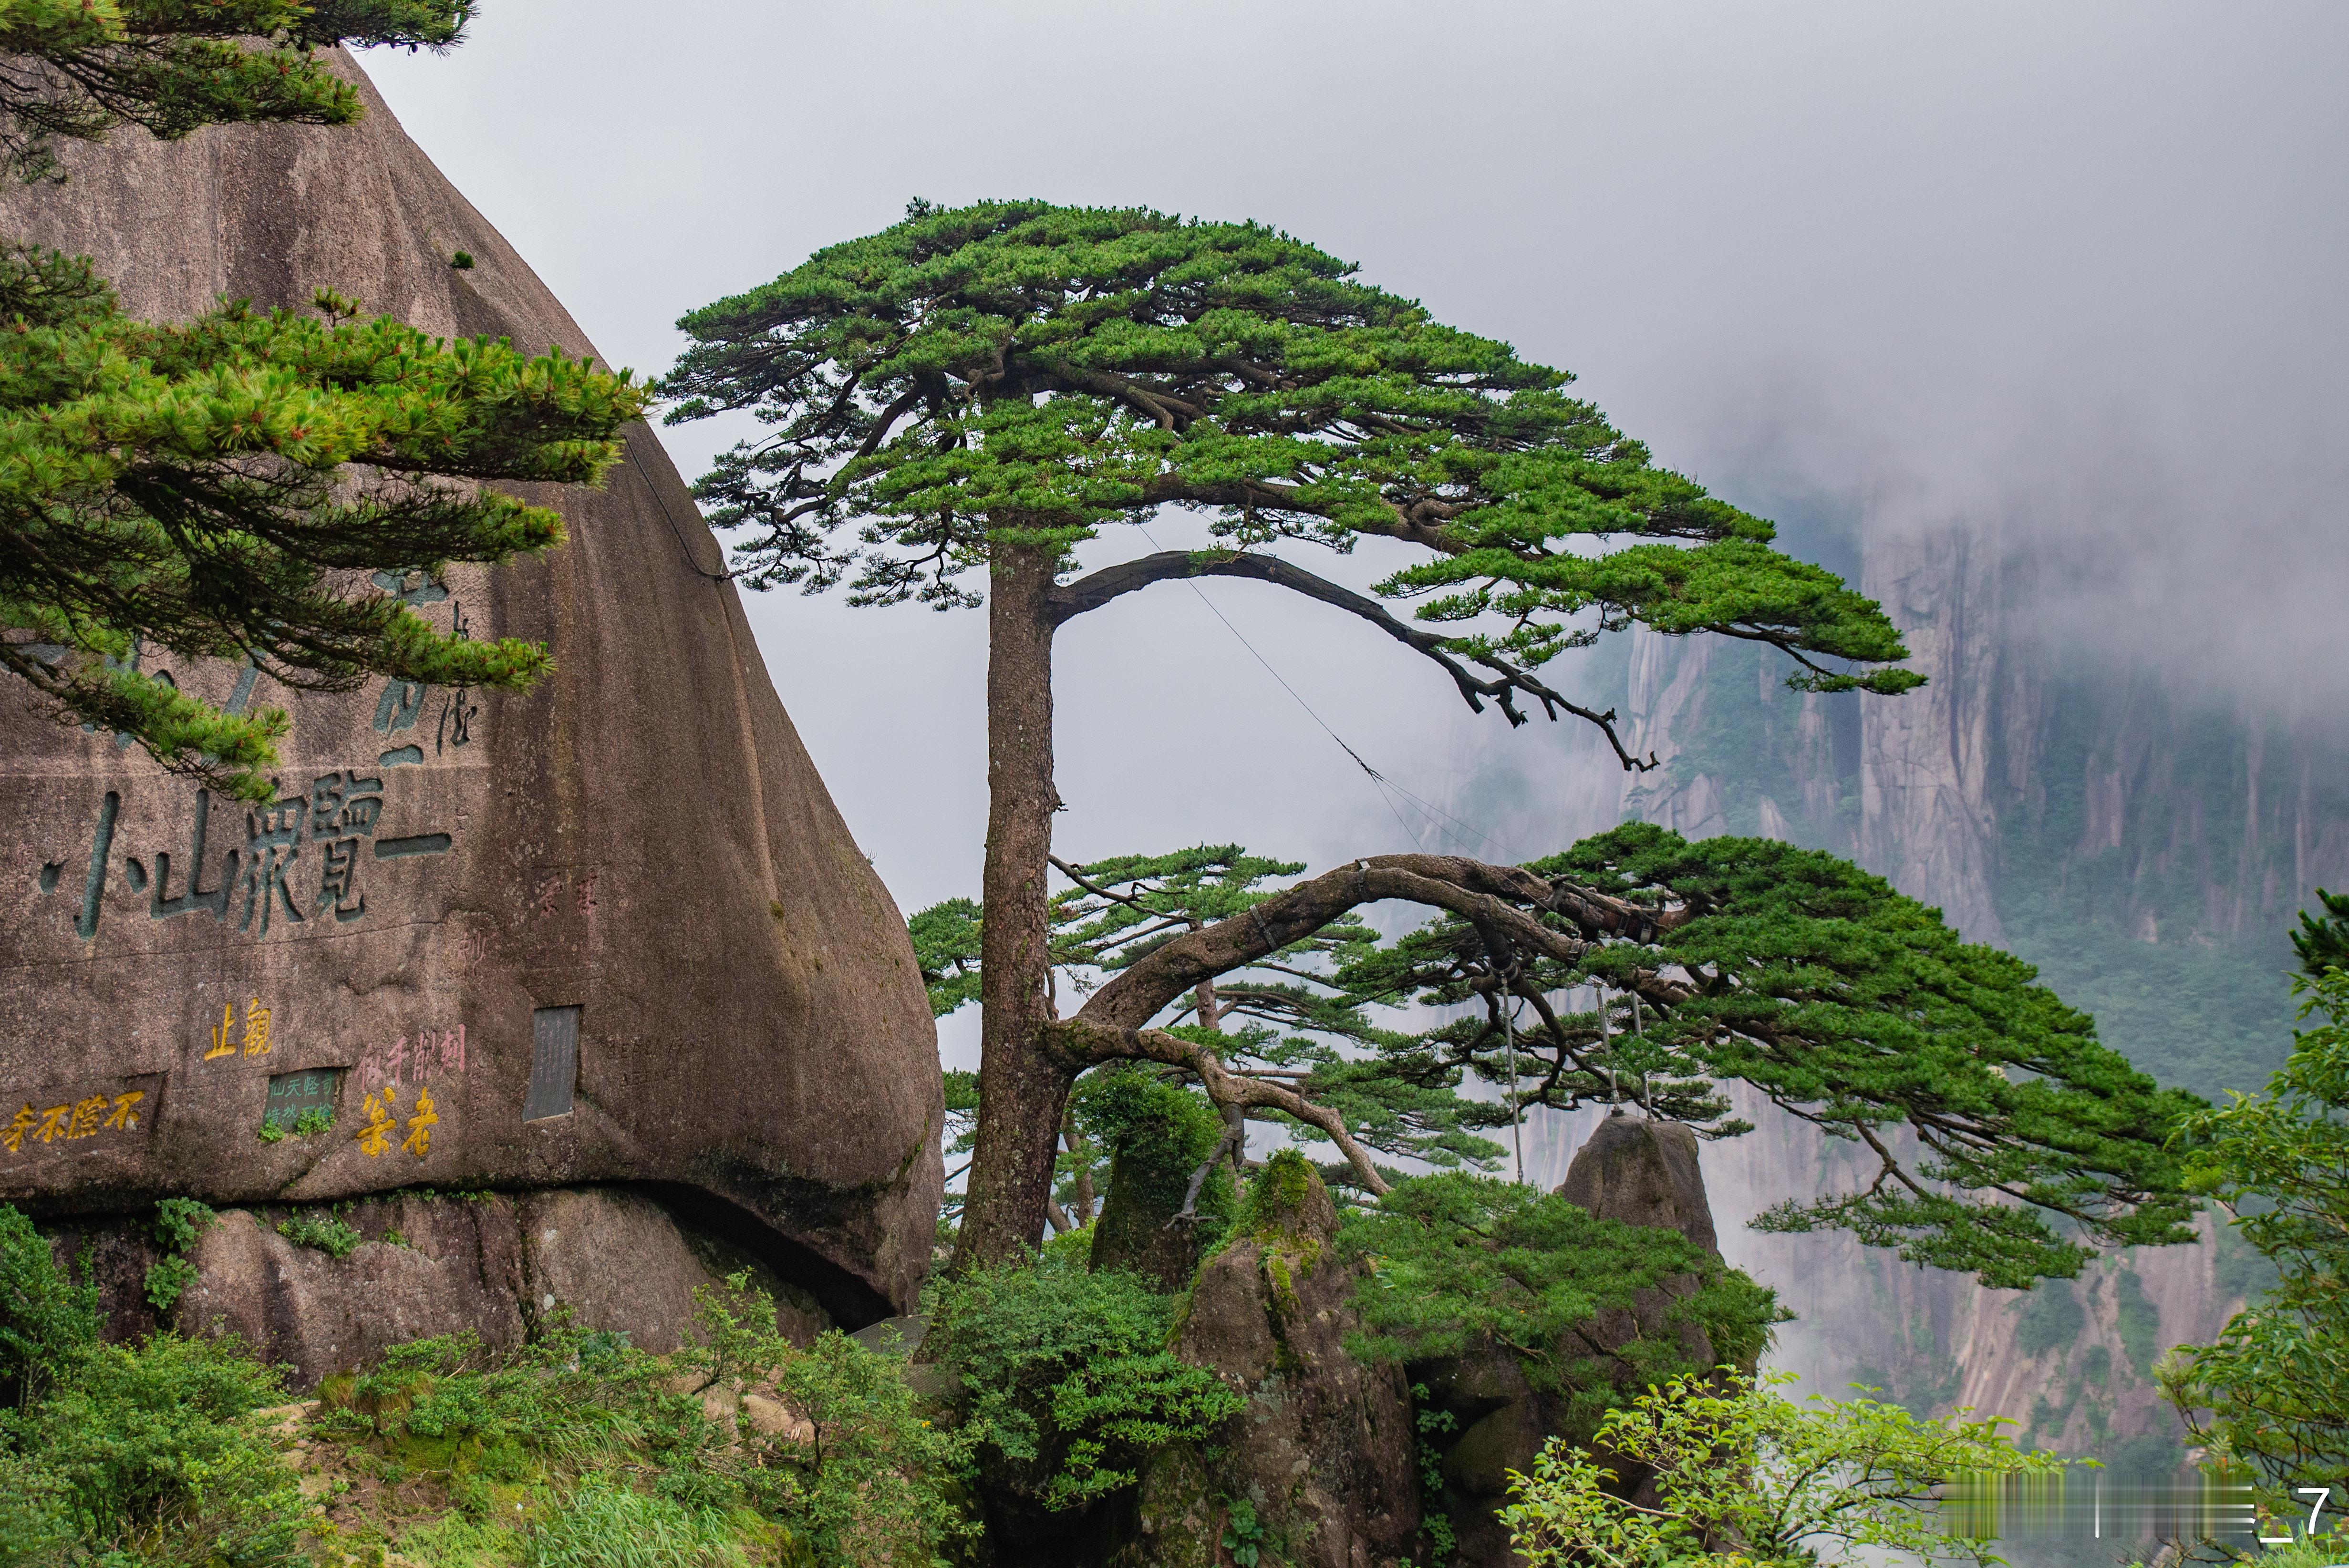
x=302, y=856
x=343, y=811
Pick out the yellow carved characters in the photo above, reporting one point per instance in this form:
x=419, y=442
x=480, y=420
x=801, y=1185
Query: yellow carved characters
x=419, y=1141
x=382, y=1108
x=84, y=1117
x=256, y=1041
x=374, y=1135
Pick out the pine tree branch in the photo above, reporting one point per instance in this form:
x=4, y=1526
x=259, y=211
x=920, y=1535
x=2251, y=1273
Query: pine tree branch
x=1496, y=896
x=1099, y=588
x=1082, y=1041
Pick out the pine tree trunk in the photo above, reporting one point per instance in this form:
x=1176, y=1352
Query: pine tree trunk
x=1022, y=1090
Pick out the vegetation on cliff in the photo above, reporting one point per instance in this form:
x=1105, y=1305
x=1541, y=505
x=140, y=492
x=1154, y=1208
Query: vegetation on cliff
x=2272, y=1392
x=1062, y=1376
x=1458, y=1262
x=577, y=1449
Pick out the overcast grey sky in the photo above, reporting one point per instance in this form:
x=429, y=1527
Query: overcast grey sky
x=2074, y=272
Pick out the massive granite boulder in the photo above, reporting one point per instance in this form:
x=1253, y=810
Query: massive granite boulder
x=609, y=930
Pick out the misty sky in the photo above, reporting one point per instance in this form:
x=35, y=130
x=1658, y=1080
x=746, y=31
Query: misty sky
x=2071, y=276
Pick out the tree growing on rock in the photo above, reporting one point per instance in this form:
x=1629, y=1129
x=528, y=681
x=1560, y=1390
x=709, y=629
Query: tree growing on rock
x=257, y=488
x=964, y=398
x=1991, y=1112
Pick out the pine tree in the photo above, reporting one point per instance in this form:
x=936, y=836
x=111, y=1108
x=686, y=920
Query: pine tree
x=2272, y=1392
x=81, y=68
x=240, y=486
x=969, y=395
x=1991, y=1113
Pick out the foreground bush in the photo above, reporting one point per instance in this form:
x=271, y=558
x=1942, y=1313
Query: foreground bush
x=153, y=1452
x=1062, y=1376
x=582, y=1449
x=1744, y=1479
x=576, y=1449
x=2274, y=1390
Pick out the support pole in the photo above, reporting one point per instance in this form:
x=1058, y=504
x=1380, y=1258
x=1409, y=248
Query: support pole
x=1516, y=1117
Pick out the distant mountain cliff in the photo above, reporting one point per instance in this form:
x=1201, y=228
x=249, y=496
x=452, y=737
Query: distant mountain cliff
x=2144, y=846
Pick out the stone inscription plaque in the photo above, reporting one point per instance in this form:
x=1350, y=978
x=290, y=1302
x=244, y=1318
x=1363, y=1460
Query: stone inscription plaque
x=294, y=1095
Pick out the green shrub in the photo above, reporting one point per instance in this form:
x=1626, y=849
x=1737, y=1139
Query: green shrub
x=326, y=1231
x=315, y=1120
x=1158, y=1133
x=875, y=1484
x=1074, y=1248
x=577, y=1448
x=1244, y=1536
x=576, y=1418
x=45, y=1320
x=1457, y=1260
x=180, y=1221
x=457, y=1541
x=1063, y=1378
x=273, y=1132
x=2273, y=1390
x=167, y=1279
x=153, y=1448
x=35, y=1526
x=1728, y=1459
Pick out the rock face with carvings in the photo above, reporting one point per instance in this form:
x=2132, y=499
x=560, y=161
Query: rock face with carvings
x=609, y=930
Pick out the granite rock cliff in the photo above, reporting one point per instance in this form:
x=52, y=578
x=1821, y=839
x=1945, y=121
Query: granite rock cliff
x=611, y=930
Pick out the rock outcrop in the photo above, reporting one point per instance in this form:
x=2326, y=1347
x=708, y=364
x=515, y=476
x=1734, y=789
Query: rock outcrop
x=1629, y=1169
x=611, y=930
x=1325, y=1453
x=411, y=1265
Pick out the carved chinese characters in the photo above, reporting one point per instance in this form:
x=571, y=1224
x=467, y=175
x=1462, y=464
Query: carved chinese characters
x=254, y=1042
x=433, y=1052
x=300, y=861
x=74, y=1120
x=302, y=1102
x=381, y=1109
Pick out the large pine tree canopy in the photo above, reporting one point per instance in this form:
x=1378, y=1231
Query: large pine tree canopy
x=243, y=486
x=1016, y=372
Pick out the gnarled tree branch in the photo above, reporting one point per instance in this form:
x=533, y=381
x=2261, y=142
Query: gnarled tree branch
x=1090, y=1042
x=1495, y=896
x=1099, y=588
